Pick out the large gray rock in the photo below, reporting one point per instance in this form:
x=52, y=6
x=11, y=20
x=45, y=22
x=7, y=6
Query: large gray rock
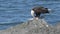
x=32, y=27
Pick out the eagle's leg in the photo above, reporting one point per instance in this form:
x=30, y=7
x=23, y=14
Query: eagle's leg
x=37, y=15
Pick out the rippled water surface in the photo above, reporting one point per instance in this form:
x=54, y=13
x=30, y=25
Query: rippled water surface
x=16, y=11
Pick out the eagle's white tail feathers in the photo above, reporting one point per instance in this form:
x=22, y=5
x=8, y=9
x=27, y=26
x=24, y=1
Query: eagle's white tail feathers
x=50, y=10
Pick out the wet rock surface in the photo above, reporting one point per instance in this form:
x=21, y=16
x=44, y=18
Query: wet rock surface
x=33, y=27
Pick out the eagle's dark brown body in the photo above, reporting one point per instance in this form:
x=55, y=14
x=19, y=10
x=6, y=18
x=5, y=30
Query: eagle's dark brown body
x=40, y=10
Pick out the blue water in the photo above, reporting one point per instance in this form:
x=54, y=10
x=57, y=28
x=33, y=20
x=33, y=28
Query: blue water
x=17, y=11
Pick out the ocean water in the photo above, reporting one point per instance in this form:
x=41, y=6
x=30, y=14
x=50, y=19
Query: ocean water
x=13, y=12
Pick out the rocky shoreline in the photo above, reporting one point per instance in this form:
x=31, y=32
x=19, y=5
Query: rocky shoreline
x=33, y=27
